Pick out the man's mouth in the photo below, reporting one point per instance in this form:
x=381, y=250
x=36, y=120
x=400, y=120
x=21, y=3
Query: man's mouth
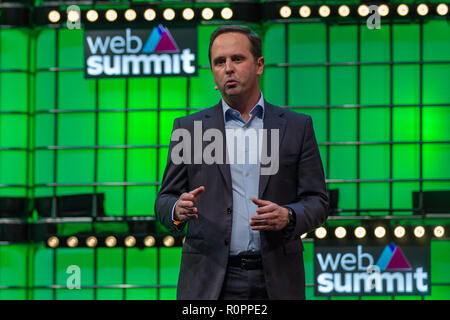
x=231, y=83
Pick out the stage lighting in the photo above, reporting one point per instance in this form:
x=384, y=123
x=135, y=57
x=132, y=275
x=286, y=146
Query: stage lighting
x=226, y=13
x=320, y=232
x=149, y=14
x=130, y=241
x=111, y=241
x=303, y=236
x=419, y=231
x=111, y=15
x=438, y=231
x=285, y=12
x=363, y=10
x=169, y=241
x=402, y=9
x=149, y=241
x=422, y=9
x=360, y=232
x=383, y=10
x=54, y=16
x=92, y=15
x=340, y=232
x=442, y=9
x=344, y=10
x=304, y=11
x=380, y=232
x=91, y=241
x=207, y=13
x=188, y=14
x=130, y=15
x=324, y=11
x=169, y=14
x=53, y=242
x=73, y=16
x=72, y=242
x=399, y=232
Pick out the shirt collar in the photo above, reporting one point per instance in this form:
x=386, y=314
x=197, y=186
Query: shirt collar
x=232, y=114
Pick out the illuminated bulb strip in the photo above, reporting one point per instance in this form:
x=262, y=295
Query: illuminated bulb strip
x=324, y=11
x=419, y=231
x=304, y=11
x=380, y=232
x=149, y=241
x=72, y=242
x=111, y=241
x=111, y=15
x=340, y=232
x=399, y=232
x=130, y=241
x=442, y=9
x=169, y=14
x=226, y=13
x=439, y=231
x=91, y=241
x=422, y=9
x=383, y=10
x=360, y=232
x=130, y=15
x=363, y=10
x=92, y=15
x=149, y=14
x=188, y=14
x=73, y=16
x=320, y=232
x=169, y=241
x=285, y=12
x=402, y=9
x=53, y=242
x=54, y=16
x=207, y=13
x=344, y=10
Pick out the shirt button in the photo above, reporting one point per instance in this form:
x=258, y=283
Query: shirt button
x=246, y=174
x=229, y=210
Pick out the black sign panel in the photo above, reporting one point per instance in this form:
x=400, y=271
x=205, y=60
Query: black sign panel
x=371, y=268
x=154, y=52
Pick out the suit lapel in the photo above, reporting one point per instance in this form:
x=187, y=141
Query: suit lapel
x=214, y=120
x=272, y=120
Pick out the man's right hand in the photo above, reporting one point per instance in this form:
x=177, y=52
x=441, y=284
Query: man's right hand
x=185, y=208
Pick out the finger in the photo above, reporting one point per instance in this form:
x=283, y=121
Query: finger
x=265, y=209
x=260, y=202
x=265, y=216
x=197, y=191
x=185, y=204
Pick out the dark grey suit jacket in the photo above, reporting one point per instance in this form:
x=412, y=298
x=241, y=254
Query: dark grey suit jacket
x=298, y=184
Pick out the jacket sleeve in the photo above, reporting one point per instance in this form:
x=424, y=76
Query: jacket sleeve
x=173, y=184
x=311, y=207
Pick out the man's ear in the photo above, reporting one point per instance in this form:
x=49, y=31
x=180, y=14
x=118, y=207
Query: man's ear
x=260, y=66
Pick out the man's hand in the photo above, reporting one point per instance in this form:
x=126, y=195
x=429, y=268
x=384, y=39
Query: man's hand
x=184, y=209
x=270, y=216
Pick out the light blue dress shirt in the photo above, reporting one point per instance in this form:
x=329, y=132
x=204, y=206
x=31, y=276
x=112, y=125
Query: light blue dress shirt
x=244, y=176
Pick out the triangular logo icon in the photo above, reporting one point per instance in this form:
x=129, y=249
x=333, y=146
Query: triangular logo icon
x=398, y=261
x=385, y=257
x=160, y=40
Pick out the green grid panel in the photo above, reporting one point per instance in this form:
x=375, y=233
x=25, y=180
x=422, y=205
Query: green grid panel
x=13, y=271
x=110, y=266
x=170, y=259
x=141, y=271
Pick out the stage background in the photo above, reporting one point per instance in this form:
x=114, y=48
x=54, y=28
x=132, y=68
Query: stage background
x=379, y=100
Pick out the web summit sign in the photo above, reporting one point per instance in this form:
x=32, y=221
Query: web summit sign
x=140, y=52
x=371, y=269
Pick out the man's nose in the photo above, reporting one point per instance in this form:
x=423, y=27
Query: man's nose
x=228, y=66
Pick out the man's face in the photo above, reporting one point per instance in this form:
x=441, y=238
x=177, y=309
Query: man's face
x=234, y=69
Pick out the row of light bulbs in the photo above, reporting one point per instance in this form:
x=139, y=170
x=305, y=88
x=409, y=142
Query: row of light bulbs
x=111, y=241
x=379, y=232
x=130, y=15
x=363, y=10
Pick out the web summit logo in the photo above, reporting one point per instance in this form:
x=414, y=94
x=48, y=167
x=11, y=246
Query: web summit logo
x=118, y=53
x=339, y=273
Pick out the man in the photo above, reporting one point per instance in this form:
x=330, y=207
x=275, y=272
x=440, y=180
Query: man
x=243, y=225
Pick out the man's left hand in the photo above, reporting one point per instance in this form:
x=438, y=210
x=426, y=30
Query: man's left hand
x=270, y=216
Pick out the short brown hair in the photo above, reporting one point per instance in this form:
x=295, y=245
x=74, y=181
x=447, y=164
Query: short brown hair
x=255, y=40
